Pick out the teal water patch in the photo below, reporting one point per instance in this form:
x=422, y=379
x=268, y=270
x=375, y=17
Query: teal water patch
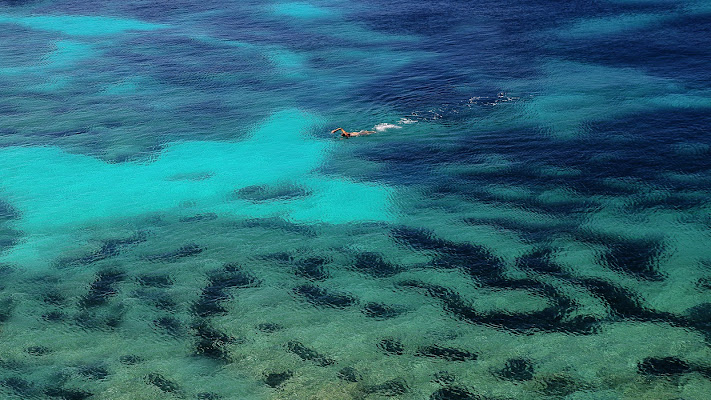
x=576, y=94
x=610, y=25
x=57, y=192
x=79, y=25
x=300, y=10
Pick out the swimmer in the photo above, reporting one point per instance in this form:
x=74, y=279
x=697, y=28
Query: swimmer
x=351, y=134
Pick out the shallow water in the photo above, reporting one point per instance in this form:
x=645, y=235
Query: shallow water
x=531, y=219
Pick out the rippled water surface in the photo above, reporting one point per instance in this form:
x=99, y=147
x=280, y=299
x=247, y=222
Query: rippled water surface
x=530, y=221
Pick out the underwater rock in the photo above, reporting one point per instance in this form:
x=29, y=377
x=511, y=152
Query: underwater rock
x=188, y=250
x=312, y=269
x=382, y=311
x=6, y=308
x=280, y=224
x=261, y=193
x=276, y=379
x=517, y=369
x=199, y=217
x=93, y=371
x=473, y=260
x=391, y=346
x=109, y=248
x=68, y=394
x=539, y=261
x=162, y=383
x=157, y=281
x=321, y=297
x=269, y=327
x=170, y=325
x=443, y=378
x=212, y=343
x=663, y=366
x=38, y=350
x=229, y=277
x=558, y=385
x=699, y=317
x=54, y=316
x=131, y=359
x=308, y=354
x=394, y=387
x=454, y=393
x=635, y=257
x=20, y=386
x=372, y=264
x=207, y=396
x=349, y=374
x=102, y=288
x=53, y=297
x=446, y=353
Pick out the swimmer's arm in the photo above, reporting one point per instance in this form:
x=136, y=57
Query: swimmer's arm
x=339, y=129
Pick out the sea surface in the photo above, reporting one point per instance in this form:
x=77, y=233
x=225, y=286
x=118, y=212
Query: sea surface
x=531, y=219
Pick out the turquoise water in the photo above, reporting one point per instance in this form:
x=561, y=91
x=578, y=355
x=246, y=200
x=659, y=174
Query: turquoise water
x=530, y=221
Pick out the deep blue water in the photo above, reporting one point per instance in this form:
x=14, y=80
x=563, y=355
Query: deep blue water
x=531, y=219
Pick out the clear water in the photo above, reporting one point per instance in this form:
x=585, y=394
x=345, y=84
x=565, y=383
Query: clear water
x=176, y=220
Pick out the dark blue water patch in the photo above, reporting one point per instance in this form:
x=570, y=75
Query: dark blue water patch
x=675, y=48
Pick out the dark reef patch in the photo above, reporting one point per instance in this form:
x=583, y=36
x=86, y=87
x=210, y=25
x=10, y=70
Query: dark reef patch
x=262, y=193
x=38, y=350
x=131, y=359
x=216, y=292
x=325, y=298
x=199, y=217
x=349, y=374
x=308, y=354
x=517, y=369
x=382, y=311
x=212, y=343
x=391, y=346
x=372, y=264
x=446, y=353
x=169, y=325
x=663, y=366
x=157, y=280
x=164, y=384
x=19, y=386
x=269, y=327
x=103, y=287
x=394, y=387
x=187, y=250
x=454, y=393
x=109, y=248
x=68, y=394
x=312, y=268
x=276, y=379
